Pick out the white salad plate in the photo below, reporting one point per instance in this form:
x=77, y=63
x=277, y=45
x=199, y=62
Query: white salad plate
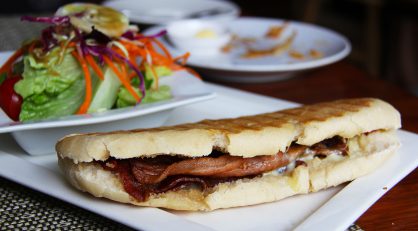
x=165, y=11
x=332, y=209
x=39, y=137
x=232, y=67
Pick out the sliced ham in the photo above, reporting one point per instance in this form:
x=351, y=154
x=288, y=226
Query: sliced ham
x=222, y=166
x=142, y=177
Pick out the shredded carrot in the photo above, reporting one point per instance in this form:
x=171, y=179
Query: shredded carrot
x=160, y=45
x=95, y=67
x=122, y=78
x=87, y=99
x=132, y=61
x=183, y=58
x=124, y=72
x=132, y=74
x=154, y=73
x=64, y=46
x=32, y=46
x=158, y=58
x=71, y=44
x=9, y=63
x=142, y=64
x=193, y=72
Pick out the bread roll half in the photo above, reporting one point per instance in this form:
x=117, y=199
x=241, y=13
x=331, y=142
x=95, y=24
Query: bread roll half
x=367, y=153
x=248, y=136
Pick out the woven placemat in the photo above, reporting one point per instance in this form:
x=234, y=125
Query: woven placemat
x=22, y=208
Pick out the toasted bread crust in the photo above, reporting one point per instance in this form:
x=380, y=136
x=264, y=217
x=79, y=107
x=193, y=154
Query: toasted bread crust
x=247, y=136
x=367, y=153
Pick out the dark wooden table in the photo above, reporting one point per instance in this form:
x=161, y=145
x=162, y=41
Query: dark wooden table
x=397, y=209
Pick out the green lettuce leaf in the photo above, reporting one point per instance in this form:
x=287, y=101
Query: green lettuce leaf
x=40, y=77
x=50, y=89
x=46, y=106
x=149, y=75
x=125, y=99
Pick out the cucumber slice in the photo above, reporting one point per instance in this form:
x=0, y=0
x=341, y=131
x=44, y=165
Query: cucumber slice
x=106, y=92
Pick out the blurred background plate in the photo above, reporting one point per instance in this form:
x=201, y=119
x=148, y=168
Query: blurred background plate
x=231, y=67
x=164, y=11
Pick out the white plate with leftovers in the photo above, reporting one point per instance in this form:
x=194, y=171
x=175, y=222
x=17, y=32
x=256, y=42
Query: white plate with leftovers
x=262, y=49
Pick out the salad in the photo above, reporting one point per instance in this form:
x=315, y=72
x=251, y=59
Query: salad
x=89, y=59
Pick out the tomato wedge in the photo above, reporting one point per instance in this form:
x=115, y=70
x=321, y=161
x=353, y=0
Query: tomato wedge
x=10, y=101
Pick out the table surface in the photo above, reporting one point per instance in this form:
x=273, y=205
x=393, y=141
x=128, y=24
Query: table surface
x=397, y=209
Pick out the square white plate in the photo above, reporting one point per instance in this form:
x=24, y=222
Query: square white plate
x=324, y=210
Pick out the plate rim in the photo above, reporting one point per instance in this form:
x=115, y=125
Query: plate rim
x=89, y=119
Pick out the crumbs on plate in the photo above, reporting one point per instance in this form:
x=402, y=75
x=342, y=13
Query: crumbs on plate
x=276, y=32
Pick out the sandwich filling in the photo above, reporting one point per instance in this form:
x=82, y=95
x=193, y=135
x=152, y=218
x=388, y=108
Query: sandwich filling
x=142, y=177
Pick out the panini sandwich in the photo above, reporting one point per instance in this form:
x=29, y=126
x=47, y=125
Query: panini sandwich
x=226, y=163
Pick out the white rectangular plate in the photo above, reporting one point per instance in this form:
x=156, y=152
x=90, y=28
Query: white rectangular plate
x=327, y=210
